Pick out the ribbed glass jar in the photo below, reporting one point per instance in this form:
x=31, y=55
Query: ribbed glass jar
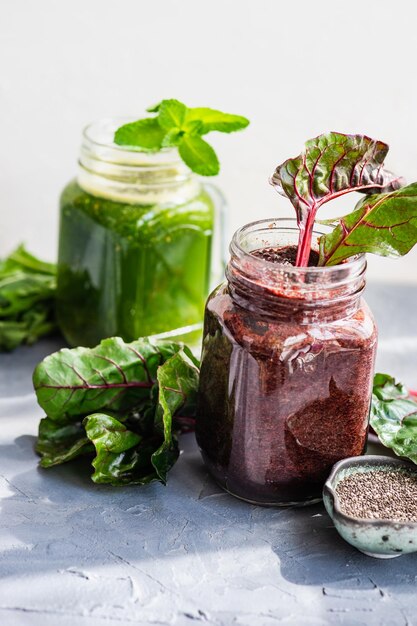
x=139, y=244
x=286, y=372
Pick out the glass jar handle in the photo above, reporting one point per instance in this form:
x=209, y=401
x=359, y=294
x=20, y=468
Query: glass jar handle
x=219, y=247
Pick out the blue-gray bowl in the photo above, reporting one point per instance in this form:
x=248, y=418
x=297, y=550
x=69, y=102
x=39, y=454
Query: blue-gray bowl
x=383, y=539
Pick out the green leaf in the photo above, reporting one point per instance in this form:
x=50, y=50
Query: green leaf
x=134, y=444
x=210, y=120
x=27, y=298
x=178, y=385
x=331, y=165
x=108, y=434
x=199, y=156
x=172, y=138
x=146, y=134
x=115, y=376
x=394, y=416
x=21, y=259
x=29, y=328
x=154, y=108
x=58, y=443
x=19, y=291
x=193, y=127
x=176, y=125
x=384, y=224
x=190, y=356
x=39, y=321
x=12, y=335
x=119, y=460
x=385, y=387
x=171, y=114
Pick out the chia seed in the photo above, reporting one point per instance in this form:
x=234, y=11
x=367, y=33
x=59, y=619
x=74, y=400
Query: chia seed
x=284, y=256
x=379, y=494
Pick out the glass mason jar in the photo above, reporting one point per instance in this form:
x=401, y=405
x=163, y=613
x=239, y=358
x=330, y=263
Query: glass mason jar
x=137, y=241
x=286, y=372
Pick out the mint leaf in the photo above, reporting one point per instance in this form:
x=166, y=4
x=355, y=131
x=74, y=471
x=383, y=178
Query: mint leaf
x=154, y=108
x=175, y=125
x=193, y=127
x=144, y=133
x=175, y=135
x=171, y=114
x=172, y=138
x=385, y=224
x=199, y=155
x=216, y=120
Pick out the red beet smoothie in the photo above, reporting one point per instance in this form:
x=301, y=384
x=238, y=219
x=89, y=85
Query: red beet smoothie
x=282, y=400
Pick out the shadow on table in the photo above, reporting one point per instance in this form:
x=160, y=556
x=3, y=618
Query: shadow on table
x=60, y=520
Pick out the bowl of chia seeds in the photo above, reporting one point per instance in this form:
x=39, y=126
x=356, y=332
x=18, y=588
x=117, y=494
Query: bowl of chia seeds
x=372, y=501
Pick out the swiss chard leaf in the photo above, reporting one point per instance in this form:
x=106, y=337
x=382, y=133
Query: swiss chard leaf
x=27, y=299
x=114, y=375
x=121, y=455
x=129, y=466
x=21, y=259
x=385, y=224
x=59, y=443
x=178, y=384
x=28, y=326
x=385, y=388
x=394, y=416
x=19, y=291
x=130, y=438
x=331, y=165
x=108, y=434
x=12, y=335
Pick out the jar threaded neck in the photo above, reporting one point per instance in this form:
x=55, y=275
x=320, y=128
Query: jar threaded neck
x=285, y=291
x=131, y=175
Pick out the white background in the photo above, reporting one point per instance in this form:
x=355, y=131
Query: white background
x=294, y=68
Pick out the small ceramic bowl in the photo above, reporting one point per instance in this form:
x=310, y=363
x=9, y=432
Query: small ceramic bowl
x=383, y=539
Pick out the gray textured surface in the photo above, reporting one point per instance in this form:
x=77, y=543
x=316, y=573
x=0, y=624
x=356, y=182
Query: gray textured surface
x=74, y=553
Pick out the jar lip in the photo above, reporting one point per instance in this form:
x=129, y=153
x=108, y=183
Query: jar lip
x=290, y=224
x=99, y=134
x=128, y=175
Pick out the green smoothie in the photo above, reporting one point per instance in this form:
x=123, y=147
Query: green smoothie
x=132, y=270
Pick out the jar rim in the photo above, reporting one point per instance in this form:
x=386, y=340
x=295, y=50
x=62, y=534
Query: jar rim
x=270, y=285
x=99, y=134
x=355, y=262
x=129, y=175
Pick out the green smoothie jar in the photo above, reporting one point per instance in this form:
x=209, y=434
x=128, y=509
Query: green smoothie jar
x=139, y=244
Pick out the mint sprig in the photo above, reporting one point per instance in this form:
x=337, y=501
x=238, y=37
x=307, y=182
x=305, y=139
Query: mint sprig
x=176, y=125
